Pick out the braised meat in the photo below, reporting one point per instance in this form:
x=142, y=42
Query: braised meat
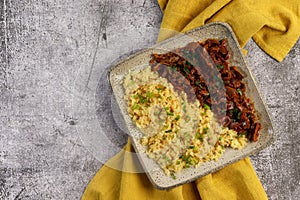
x=202, y=71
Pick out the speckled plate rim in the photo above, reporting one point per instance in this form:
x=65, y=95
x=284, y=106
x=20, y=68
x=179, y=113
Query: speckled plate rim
x=212, y=166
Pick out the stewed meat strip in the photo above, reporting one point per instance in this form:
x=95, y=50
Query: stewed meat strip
x=201, y=69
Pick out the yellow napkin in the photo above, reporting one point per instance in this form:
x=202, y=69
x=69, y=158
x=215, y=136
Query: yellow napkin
x=237, y=181
x=273, y=24
x=275, y=28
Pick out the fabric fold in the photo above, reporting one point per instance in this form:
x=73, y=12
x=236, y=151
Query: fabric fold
x=273, y=25
x=236, y=181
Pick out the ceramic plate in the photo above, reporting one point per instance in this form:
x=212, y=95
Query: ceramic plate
x=141, y=59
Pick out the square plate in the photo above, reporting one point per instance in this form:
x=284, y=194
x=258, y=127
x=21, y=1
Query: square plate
x=141, y=59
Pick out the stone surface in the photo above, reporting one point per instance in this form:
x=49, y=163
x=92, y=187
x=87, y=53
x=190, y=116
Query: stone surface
x=45, y=47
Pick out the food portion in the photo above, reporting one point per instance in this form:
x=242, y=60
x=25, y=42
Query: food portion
x=189, y=110
x=178, y=134
x=197, y=63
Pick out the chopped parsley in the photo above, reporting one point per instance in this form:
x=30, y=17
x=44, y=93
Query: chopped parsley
x=173, y=176
x=149, y=94
x=184, y=106
x=135, y=106
x=239, y=91
x=236, y=114
x=199, y=136
x=160, y=88
x=170, y=113
x=239, y=115
x=205, y=106
x=197, y=82
x=219, y=66
x=186, y=70
x=188, y=159
x=173, y=67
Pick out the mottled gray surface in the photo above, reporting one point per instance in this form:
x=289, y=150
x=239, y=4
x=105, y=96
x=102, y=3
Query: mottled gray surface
x=44, y=44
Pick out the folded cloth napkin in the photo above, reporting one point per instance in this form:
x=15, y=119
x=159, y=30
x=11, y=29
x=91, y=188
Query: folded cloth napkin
x=237, y=181
x=274, y=25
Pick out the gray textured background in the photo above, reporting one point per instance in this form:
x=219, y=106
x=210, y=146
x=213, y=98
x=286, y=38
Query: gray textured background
x=43, y=46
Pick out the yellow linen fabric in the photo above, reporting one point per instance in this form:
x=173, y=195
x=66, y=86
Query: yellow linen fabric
x=275, y=28
x=273, y=24
x=237, y=181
